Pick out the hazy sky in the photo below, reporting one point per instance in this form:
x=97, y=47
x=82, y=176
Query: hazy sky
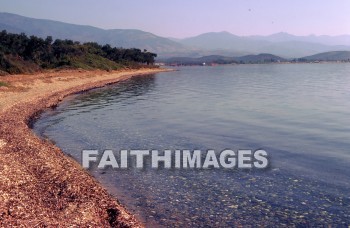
x=184, y=18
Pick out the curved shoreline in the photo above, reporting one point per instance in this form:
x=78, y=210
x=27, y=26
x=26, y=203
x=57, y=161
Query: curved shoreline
x=39, y=184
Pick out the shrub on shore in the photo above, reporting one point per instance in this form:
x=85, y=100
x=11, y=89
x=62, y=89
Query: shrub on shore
x=3, y=84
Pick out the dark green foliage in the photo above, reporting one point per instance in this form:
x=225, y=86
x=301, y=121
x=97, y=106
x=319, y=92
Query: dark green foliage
x=22, y=54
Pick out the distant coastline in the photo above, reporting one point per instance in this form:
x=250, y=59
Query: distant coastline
x=264, y=58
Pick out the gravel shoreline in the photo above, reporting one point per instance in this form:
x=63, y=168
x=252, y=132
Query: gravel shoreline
x=39, y=184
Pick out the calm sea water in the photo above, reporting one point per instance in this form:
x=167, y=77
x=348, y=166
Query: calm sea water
x=298, y=113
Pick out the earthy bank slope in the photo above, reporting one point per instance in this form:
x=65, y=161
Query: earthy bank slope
x=39, y=185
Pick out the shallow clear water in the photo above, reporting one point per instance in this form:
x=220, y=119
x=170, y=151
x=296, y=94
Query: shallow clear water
x=298, y=113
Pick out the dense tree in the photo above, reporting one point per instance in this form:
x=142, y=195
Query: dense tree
x=47, y=53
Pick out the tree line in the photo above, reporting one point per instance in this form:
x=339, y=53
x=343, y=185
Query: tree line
x=18, y=50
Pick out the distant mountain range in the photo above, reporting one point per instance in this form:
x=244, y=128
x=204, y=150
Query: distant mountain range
x=326, y=40
x=127, y=38
x=219, y=43
x=281, y=44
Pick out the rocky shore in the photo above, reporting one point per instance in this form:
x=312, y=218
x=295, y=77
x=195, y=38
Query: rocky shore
x=39, y=184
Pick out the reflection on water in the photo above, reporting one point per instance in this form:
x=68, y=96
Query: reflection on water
x=126, y=93
x=298, y=113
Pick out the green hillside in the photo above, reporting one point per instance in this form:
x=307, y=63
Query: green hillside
x=330, y=56
x=22, y=54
